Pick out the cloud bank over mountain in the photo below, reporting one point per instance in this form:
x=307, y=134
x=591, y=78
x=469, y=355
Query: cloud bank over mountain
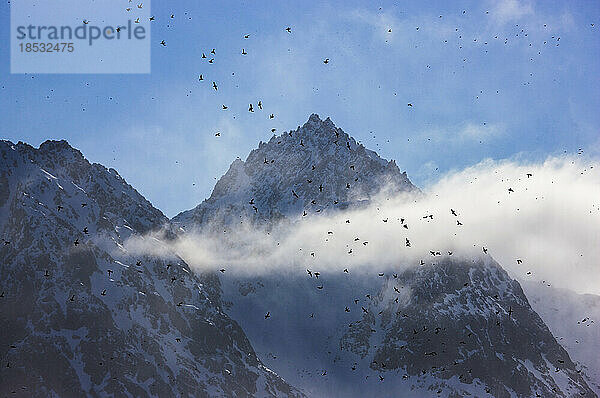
x=546, y=215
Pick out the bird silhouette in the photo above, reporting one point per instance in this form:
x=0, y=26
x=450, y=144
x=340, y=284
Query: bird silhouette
x=268, y=315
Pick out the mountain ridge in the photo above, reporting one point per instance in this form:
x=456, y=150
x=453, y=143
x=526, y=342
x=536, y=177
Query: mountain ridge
x=384, y=341
x=82, y=315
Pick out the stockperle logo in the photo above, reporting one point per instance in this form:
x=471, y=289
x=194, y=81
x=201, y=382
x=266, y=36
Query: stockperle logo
x=80, y=36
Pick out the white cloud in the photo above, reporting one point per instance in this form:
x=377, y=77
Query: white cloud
x=511, y=10
x=472, y=131
x=551, y=222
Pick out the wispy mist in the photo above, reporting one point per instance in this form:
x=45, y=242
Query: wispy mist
x=546, y=215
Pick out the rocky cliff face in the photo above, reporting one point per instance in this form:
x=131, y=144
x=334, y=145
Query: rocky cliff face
x=83, y=316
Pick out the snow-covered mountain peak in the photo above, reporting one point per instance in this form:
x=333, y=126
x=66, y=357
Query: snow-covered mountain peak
x=315, y=168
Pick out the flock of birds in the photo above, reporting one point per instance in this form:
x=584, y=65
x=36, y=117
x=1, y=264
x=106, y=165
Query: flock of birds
x=258, y=106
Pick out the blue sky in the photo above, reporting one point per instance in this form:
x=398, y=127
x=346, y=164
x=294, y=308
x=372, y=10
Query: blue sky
x=523, y=95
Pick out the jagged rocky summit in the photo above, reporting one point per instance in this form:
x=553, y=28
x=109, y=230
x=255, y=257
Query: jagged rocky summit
x=315, y=168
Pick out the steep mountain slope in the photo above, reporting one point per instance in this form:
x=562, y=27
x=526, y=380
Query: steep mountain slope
x=574, y=320
x=315, y=168
x=82, y=316
x=452, y=327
